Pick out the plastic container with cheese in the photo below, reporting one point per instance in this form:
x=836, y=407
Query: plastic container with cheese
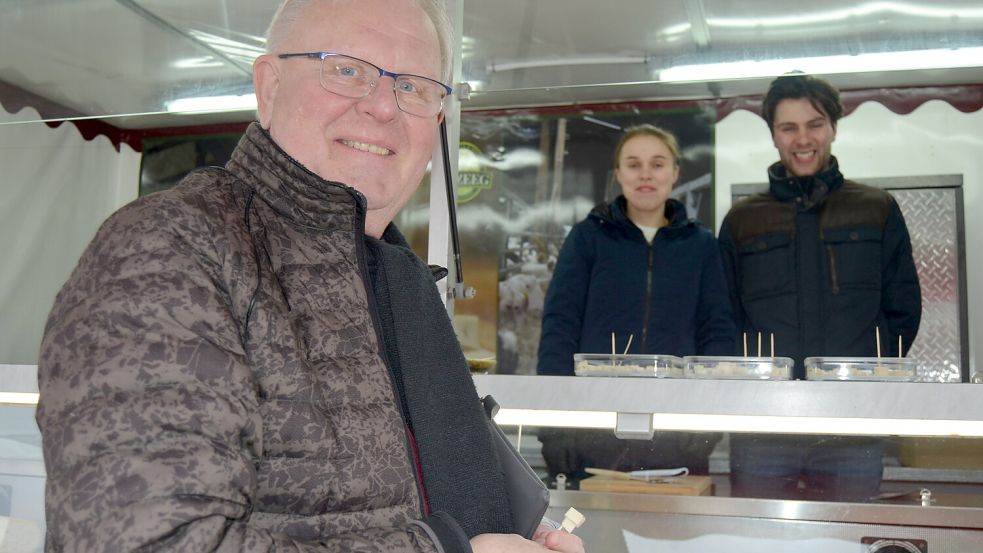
x=608, y=364
x=749, y=368
x=904, y=369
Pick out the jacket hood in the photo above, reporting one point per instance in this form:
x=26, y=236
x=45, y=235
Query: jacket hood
x=812, y=189
x=616, y=213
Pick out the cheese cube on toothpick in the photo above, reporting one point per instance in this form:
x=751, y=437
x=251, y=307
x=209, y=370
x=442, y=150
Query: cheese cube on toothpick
x=572, y=519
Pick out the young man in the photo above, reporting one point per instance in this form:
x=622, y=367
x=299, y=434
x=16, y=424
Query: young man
x=255, y=360
x=821, y=263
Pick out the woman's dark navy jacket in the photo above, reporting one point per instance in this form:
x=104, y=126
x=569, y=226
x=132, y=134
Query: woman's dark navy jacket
x=670, y=295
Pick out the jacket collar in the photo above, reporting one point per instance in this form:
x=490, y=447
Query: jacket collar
x=616, y=213
x=291, y=189
x=812, y=190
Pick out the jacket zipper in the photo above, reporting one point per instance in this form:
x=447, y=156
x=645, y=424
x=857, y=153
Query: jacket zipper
x=409, y=441
x=648, y=296
x=833, y=278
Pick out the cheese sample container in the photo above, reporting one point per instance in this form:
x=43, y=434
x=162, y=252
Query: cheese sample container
x=615, y=364
x=738, y=368
x=903, y=369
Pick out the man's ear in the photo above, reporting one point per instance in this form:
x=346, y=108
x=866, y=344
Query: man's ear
x=440, y=117
x=266, y=81
x=834, y=132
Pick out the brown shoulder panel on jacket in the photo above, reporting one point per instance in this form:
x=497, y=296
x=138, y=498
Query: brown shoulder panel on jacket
x=856, y=204
x=760, y=214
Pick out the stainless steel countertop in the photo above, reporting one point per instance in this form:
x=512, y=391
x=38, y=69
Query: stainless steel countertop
x=788, y=398
x=949, y=511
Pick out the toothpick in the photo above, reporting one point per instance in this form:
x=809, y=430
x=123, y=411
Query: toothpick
x=745, y=343
x=759, y=344
x=613, y=350
x=773, y=344
x=877, y=331
x=629, y=343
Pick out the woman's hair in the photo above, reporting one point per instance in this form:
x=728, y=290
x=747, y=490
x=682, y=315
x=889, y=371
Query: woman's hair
x=822, y=95
x=290, y=11
x=665, y=136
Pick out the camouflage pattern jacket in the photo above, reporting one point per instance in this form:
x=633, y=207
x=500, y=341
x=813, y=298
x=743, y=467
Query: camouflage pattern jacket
x=215, y=377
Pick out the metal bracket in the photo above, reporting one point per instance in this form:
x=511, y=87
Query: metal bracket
x=634, y=426
x=460, y=291
x=463, y=91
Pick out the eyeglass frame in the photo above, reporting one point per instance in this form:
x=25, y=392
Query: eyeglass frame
x=382, y=73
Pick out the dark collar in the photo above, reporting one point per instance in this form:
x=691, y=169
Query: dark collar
x=288, y=187
x=808, y=191
x=616, y=212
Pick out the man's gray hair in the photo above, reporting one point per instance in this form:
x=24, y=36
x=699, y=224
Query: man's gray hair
x=290, y=11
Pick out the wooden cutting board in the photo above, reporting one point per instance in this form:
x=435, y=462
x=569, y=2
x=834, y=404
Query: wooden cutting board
x=679, y=485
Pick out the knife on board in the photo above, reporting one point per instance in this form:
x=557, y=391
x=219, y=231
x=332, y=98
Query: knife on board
x=650, y=475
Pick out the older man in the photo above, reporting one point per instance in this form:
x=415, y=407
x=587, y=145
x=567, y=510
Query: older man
x=255, y=360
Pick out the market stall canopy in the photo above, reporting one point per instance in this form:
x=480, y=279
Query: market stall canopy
x=151, y=63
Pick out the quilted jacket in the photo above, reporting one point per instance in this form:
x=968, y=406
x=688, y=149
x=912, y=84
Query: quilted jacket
x=215, y=376
x=822, y=262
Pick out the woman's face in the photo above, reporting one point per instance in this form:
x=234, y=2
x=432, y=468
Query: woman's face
x=646, y=171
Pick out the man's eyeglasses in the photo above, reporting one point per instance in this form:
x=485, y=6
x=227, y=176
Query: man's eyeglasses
x=354, y=78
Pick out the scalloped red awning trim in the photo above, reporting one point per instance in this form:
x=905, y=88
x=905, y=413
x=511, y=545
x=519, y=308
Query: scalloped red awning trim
x=965, y=98
x=92, y=128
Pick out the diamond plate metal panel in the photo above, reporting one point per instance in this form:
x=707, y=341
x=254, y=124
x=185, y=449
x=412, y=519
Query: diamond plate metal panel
x=931, y=211
x=931, y=216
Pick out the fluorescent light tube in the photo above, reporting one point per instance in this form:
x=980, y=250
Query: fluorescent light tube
x=824, y=65
x=212, y=103
x=746, y=423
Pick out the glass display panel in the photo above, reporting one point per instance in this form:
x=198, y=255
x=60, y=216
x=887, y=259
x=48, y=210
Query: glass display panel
x=525, y=179
x=888, y=470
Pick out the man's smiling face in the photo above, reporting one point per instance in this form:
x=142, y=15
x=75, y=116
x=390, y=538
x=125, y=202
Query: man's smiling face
x=803, y=136
x=366, y=143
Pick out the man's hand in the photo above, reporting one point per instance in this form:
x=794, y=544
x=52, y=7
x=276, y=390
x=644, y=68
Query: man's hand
x=544, y=540
x=558, y=540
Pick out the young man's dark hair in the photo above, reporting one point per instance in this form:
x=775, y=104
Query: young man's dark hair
x=822, y=95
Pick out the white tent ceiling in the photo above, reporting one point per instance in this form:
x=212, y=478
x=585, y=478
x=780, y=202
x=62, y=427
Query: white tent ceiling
x=124, y=59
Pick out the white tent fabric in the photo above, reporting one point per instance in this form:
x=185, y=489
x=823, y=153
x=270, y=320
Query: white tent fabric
x=56, y=188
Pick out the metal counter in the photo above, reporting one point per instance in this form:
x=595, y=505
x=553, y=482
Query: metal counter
x=649, y=523
x=766, y=398
x=638, y=523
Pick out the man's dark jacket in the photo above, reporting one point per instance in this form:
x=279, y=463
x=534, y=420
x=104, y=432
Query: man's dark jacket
x=669, y=294
x=821, y=262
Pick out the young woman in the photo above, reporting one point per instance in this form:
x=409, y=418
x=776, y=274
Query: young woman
x=636, y=267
